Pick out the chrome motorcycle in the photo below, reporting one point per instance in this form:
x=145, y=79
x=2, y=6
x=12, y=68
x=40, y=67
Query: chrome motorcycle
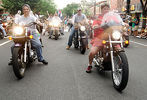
x=54, y=29
x=80, y=37
x=23, y=54
x=112, y=57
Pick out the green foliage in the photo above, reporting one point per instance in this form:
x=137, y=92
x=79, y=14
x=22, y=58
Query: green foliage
x=70, y=9
x=41, y=6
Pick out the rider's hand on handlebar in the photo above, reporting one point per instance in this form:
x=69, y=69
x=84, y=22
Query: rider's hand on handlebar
x=39, y=23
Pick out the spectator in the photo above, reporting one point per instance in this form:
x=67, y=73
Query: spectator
x=134, y=26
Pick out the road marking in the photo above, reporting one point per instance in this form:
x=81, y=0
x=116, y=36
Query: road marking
x=138, y=43
x=5, y=43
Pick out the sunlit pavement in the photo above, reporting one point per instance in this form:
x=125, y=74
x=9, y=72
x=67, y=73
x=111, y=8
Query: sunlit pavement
x=64, y=78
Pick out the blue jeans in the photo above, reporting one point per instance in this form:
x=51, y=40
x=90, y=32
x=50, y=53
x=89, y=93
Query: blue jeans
x=3, y=30
x=71, y=36
x=35, y=42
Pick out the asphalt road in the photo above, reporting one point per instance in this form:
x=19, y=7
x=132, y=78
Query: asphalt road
x=64, y=78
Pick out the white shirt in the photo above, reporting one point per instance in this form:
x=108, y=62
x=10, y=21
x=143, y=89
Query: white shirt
x=26, y=20
x=16, y=18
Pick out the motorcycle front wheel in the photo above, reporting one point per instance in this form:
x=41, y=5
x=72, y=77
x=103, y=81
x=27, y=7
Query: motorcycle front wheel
x=56, y=34
x=1, y=35
x=84, y=43
x=121, y=73
x=19, y=66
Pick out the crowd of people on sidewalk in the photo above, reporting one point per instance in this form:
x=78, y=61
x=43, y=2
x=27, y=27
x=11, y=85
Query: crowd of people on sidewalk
x=135, y=26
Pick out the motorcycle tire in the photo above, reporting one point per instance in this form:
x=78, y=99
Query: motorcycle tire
x=1, y=35
x=83, y=46
x=82, y=49
x=19, y=66
x=56, y=35
x=123, y=64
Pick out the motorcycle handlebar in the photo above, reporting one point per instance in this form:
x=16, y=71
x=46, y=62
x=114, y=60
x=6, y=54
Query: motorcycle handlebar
x=30, y=24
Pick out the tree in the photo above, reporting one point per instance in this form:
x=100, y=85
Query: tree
x=70, y=9
x=144, y=11
x=12, y=6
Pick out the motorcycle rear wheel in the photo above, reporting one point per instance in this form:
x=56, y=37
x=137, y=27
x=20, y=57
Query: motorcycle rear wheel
x=19, y=66
x=121, y=74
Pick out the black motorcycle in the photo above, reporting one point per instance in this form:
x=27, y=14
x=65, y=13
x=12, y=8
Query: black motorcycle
x=23, y=54
x=80, y=38
x=112, y=57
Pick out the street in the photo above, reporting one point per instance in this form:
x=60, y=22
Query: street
x=64, y=78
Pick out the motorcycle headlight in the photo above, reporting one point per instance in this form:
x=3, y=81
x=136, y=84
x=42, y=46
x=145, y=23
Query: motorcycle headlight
x=56, y=24
x=116, y=35
x=50, y=24
x=82, y=28
x=18, y=30
x=5, y=24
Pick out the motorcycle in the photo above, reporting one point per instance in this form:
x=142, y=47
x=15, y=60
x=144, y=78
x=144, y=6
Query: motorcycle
x=80, y=37
x=112, y=57
x=22, y=54
x=54, y=29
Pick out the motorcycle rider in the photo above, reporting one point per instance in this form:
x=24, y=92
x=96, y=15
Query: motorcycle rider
x=26, y=18
x=1, y=27
x=109, y=17
x=77, y=18
x=96, y=41
x=57, y=18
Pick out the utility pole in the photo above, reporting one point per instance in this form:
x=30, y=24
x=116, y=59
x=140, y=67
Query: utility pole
x=128, y=7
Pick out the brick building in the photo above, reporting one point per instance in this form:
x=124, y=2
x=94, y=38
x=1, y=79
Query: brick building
x=118, y=5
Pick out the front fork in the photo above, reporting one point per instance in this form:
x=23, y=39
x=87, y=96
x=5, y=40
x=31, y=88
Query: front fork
x=25, y=52
x=111, y=53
